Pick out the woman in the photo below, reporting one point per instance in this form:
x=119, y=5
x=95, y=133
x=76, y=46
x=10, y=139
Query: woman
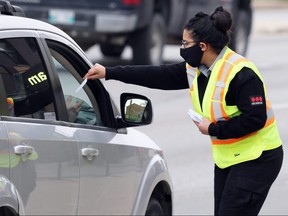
x=228, y=91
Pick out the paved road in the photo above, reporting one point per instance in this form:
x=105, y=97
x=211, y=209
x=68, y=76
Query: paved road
x=187, y=151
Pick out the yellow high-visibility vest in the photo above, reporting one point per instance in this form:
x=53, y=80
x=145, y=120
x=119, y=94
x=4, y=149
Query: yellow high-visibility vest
x=227, y=152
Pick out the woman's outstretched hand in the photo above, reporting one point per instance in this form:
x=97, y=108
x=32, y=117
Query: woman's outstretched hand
x=98, y=71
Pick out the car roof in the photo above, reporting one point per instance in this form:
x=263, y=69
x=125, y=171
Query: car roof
x=23, y=23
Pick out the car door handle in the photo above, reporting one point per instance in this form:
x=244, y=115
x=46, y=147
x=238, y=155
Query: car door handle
x=23, y=149
x=90, y=153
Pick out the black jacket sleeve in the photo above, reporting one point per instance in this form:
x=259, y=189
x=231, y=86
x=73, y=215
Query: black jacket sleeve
x=165, y=77
x=244, y=88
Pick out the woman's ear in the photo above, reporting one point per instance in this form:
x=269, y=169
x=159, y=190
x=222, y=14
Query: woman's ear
x=203, y=46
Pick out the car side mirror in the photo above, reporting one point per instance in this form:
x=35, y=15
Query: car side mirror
x=136, y=110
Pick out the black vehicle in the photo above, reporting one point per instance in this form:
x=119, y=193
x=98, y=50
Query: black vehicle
x=145, y=25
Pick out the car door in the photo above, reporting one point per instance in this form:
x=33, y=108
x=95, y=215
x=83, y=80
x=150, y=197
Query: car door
x=4, y=145
x=110, y=167
x=44, y=157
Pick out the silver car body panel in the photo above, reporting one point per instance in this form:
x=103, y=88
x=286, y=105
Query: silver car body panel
x=130, y=166
x=50, y=172
x=155, y=172
x=8, y=193
x=70, y=170
x=119, y=166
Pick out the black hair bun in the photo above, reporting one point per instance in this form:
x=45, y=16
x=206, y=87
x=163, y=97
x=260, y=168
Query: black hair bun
x=221, y=19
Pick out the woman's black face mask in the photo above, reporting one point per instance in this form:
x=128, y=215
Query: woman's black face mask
x=192, y=55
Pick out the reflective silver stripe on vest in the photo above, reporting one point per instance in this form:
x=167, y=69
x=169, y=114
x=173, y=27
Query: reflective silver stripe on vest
x=270, y=114
x=191, y=74
x=213, y=138
x=220, y=84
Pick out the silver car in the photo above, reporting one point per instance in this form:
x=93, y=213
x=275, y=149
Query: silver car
x=68, y=152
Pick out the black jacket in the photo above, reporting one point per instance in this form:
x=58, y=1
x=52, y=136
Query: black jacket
x=245, y=86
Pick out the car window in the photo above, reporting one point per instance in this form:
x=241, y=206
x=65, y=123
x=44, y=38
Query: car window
x=25, y=81
x=81, y=106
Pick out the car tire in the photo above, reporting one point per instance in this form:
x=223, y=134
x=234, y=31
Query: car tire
x=154, y=208
x=5, y=212
x=148, y=43
x=111, y=50
x=240, y=33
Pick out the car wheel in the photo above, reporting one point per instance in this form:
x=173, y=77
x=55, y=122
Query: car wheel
x=240, y=34
x=148, y=43
x=111, y=50
x=5, y=212
x=154, y=208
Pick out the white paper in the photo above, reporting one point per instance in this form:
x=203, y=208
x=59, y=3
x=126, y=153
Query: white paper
x=50, y=116
x=81, y=86
x=194, y=115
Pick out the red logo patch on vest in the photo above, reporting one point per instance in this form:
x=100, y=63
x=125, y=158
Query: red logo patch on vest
x=256, y=100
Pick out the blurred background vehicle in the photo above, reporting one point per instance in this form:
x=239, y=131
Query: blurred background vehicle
x=145, y=25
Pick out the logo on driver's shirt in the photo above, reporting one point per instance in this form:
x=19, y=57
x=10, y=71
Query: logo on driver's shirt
x=256, y=100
